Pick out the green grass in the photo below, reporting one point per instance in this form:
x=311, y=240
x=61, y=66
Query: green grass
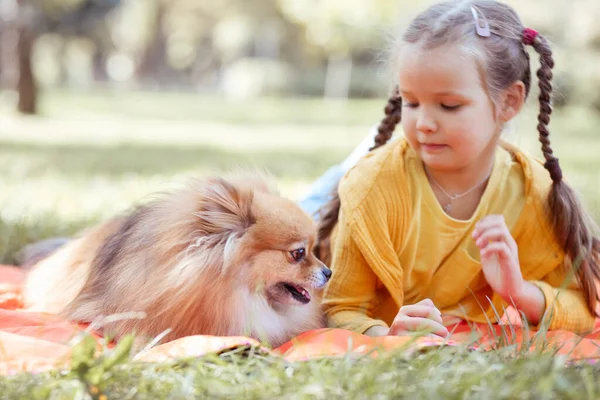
x=181, y=106
x=247, y=373
x=89, y=156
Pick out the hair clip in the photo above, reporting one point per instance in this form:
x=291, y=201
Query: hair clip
x=481, y=25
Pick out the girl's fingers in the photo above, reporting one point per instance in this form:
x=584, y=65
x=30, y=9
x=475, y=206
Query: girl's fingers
x=494, y=233
x=501, y=249
x=419, y=311
x=491, y=221
x=412, y=324
x=426, y=302
x=490, y=235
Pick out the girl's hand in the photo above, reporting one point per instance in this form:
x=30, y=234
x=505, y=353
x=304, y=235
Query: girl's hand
x=499, y=257
x=422, y=316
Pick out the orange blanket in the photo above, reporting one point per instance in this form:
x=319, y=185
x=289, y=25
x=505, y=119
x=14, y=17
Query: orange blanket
x=37, y=342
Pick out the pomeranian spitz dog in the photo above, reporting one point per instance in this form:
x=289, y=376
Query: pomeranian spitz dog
x=218, y=257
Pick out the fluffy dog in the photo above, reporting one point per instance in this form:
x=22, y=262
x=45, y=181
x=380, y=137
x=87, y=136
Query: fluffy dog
x=218, y=257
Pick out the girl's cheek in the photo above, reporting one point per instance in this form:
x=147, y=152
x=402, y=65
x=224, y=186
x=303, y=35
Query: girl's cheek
x=407, y=127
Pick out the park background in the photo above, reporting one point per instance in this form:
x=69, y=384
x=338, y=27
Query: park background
x=103, y=102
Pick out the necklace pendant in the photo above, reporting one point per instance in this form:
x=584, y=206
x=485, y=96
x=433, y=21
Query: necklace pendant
x=447, y=208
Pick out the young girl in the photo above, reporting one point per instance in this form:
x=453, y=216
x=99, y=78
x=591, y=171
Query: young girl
x=450, y=219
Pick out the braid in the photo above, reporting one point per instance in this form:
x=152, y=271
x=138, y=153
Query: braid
x=393, y=114
x=330, y=211
x=572, y=226
x=544, y=75
x=527, y=75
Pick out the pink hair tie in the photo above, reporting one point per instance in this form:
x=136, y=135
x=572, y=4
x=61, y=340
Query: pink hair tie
x=529, y=36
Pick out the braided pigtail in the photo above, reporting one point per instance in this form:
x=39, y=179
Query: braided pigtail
x=330, y=211
x=571, y=224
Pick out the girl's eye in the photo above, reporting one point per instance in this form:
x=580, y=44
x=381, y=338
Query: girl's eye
x=410, y=105
x=298, y=254
x=451, y=108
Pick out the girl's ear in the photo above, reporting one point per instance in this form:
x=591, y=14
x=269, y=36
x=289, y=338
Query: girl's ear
x=513, y=99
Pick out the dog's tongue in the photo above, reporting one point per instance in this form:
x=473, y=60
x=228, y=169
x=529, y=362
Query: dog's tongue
x=302, y=291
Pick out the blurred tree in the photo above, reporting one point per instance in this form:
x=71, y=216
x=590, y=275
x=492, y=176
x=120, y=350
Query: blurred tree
x=26, y=85
x=16, y=45
x=153, y=66
x=342, y=30
x=200, y=43
x=245, y=48
x=24, y=20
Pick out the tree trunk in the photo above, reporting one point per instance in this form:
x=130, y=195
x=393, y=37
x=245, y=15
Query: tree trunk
x=99, y=65
x=153, y=68
x=26, y=85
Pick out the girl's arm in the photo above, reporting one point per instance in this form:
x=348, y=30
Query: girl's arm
x=351, y=294
x=503, y=262
x=531, y=301
x=565, y=303
x=565, y=306
x=363, y=247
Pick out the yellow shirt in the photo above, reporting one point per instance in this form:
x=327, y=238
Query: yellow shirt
x=394, y=245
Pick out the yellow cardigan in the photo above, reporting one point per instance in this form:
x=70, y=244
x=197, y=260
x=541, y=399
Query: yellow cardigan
x=394, y=245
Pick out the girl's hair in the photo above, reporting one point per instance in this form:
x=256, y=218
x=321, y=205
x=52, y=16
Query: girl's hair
x=502, y=60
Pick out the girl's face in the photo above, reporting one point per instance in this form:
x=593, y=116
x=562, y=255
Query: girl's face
x=447, y=116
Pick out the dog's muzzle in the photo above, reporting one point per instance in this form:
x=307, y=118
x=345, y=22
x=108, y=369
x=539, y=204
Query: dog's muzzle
x=320, y=277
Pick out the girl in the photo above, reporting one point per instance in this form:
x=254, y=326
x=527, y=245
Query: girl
x=450, y=219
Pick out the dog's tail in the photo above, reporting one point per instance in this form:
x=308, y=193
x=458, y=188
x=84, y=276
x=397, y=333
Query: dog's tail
x=34, y=253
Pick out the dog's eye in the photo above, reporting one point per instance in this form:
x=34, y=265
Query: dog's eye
x=298, y=255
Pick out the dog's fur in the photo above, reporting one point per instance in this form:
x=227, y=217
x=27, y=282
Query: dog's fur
x=209, y=259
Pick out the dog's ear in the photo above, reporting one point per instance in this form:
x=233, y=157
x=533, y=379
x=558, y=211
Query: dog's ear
x=255, y=180
x=224, y=208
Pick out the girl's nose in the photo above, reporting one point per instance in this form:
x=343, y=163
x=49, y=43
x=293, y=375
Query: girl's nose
x=425, y=122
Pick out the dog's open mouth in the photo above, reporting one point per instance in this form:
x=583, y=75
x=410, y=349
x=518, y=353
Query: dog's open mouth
x=297, y=292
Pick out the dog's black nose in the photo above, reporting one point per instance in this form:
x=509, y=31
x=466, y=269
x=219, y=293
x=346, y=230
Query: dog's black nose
x=326, y=272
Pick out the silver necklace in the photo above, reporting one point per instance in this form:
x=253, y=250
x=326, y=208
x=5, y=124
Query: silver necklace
x=448, y=207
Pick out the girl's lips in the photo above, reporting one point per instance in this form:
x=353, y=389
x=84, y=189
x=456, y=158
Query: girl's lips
x=432, y=147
